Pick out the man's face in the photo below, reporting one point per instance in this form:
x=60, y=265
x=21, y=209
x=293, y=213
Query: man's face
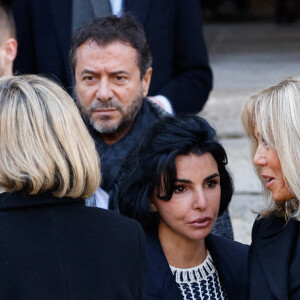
x=109, y=87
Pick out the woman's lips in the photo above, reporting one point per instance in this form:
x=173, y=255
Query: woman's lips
x=201, y=222
x=269, y=180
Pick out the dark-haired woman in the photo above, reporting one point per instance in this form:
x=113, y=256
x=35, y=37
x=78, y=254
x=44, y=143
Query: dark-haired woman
x=177, y=188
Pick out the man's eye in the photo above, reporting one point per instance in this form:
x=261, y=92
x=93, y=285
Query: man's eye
x=120, y=78
x=88, y=78
x=179, y=189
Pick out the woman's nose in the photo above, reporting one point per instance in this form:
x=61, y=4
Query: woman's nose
x=200, y=201
x=259, y=158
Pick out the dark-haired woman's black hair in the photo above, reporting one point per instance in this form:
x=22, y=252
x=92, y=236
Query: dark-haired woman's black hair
x=152, y=165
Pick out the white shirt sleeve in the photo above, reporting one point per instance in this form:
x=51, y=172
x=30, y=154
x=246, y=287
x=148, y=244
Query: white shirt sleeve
x=101, y=198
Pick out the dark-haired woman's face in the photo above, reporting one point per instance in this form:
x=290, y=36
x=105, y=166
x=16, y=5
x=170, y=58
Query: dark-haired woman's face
x=193, y=209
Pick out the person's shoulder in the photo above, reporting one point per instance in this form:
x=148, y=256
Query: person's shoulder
x=260, y=221
x=227, y=245
x=115, y=225
x=110, y=217
x=231, y=261
x=267, y=226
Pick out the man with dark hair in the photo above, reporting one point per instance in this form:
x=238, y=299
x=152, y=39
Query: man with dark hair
x=111, y=61
x=8, y=43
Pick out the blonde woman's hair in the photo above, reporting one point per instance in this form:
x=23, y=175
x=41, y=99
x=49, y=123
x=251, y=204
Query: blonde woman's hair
x=44, y=144
x=275, y=114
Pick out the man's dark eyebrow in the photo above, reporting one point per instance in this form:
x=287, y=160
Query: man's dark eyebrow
x=118, y=72
x=86, y=71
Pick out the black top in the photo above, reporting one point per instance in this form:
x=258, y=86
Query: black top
x=274, y=259
x=53, y=248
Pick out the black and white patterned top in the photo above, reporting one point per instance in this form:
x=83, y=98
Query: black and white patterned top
x=200, y=282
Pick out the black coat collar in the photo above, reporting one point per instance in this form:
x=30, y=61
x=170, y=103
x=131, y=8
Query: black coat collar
x=159, y=279
x=273, y=243
x=17, y=200
x=230, y=259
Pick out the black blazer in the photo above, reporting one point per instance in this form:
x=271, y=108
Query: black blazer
x=274, y=259
x=174, y=31
x=230, y=259
x=60, y=249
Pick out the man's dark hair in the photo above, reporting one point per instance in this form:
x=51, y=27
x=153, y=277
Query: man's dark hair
x=7, y=23
x=108, y=29
x=153, y=165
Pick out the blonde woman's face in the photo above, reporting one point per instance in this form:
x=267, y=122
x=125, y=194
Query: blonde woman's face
x=271, y=173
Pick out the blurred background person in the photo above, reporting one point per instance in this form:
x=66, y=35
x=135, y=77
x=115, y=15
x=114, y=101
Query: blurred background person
x=182, y=78
x=271, y=119
x=227, y=10
x=52, y=245
x=177, y=187
x=287, y=11
x=8, y=43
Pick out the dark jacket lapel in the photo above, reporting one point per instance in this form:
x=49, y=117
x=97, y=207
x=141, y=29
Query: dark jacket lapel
x=17, y=200
x=274, y=253
x=230, y=259
x=138, y=8
x=159, y=278
x=101, y=8
x=62, y=21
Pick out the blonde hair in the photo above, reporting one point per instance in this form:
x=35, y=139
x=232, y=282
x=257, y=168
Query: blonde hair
x=275, y=113
x=44, y=144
